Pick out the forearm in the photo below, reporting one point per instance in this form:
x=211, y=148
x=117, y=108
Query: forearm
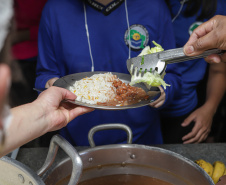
x=47, y=113
x=28, y=123
x=216, y=85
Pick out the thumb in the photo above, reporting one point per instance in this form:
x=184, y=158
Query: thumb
x=202, y=38
x=200, y=45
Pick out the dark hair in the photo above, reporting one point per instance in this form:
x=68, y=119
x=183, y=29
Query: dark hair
x=208, y=8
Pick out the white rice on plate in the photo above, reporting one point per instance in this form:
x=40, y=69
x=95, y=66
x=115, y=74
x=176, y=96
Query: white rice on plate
x=95, y=89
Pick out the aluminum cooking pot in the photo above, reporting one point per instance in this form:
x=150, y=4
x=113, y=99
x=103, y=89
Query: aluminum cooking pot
x=129, y=159
x=14, y=172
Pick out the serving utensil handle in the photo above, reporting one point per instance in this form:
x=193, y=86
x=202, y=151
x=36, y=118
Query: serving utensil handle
x=177, y=55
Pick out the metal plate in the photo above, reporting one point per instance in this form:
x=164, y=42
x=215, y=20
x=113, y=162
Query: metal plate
x=69, y=80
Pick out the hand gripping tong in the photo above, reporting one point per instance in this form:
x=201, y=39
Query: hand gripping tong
x=158, y=61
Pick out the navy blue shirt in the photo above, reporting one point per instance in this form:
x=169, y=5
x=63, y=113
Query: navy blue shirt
x=63, y=50
x=192, y=71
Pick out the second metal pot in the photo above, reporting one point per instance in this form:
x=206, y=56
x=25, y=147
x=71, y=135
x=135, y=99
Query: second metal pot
x=14, y=172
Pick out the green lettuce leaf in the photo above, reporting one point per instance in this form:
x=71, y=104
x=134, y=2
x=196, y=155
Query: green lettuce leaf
x=150, y=78
x=148, y=50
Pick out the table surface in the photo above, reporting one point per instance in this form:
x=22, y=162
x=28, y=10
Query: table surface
x=35, y=157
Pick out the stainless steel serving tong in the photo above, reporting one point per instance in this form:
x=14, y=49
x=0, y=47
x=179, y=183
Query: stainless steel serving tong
x=158, y=61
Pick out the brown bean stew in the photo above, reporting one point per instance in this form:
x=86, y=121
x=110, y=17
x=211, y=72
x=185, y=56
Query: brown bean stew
x=126, y=95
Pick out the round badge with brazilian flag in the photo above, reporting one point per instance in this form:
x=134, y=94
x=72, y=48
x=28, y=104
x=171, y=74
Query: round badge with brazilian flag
x=193, y=26
x=137, y=38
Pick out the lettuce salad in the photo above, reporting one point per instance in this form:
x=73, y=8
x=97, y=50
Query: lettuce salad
x=150, y=78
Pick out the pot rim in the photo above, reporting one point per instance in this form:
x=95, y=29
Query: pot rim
x=151, y=148
x=22, y=167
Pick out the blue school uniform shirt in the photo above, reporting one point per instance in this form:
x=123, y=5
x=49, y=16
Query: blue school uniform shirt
x=63, y=50
x=192, y=71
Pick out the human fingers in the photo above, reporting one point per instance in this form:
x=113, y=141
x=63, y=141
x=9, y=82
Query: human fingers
x=198, y=134
x=159, y=104
x=214, y=58
x=197, y=139
x=203, y=137
x=200, y=139
x=74, y=110
x=188, y=120
x=50, y=82
x=78, y=111
x=201, y=39
x=61, y=117
x=66, y=94
x=193, y=138
x=208, y=35
x=193, y=133
x=54, y=96
x=68, y=105
x=160, y=101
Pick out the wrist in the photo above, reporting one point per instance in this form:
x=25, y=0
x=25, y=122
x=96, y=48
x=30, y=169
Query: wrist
x=210, y=107
x=41, y=116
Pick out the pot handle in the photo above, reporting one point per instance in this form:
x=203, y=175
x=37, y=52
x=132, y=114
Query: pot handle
x=57, y=141
x=109, y=127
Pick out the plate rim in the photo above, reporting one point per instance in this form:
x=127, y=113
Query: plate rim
x=102, y=107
